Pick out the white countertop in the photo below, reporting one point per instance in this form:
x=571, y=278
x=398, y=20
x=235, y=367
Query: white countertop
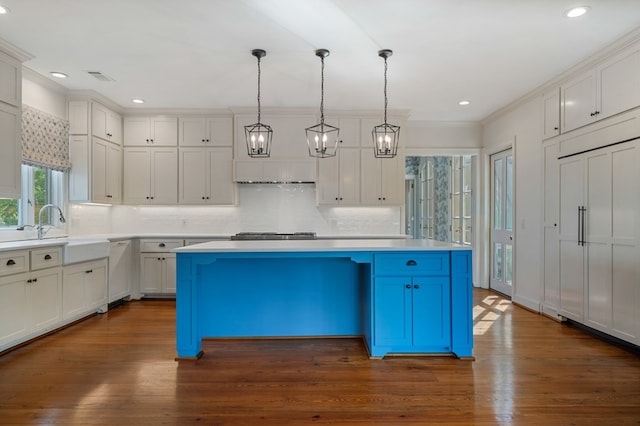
x=319, y=245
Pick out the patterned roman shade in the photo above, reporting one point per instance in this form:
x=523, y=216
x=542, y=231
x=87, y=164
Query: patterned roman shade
x=45, y=140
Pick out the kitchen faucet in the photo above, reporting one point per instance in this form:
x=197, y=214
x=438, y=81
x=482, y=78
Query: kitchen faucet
x=40, y=227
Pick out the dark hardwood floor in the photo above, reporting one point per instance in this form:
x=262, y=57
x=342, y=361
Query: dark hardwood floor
x=119, y=369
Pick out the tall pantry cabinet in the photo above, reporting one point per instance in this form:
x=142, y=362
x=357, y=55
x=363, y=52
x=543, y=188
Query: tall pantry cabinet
x=599, y=238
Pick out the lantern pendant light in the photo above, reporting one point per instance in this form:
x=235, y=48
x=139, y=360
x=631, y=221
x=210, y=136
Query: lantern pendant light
x=258, y=135
x=322, y=139
x=385, y=136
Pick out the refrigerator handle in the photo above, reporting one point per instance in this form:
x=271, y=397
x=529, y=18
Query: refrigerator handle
x=579, y=225
x=584, y=217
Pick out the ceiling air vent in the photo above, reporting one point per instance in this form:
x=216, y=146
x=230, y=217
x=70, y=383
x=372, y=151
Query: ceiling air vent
x=100, y=76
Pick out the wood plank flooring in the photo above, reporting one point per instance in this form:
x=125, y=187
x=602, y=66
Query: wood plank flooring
x=119, y=369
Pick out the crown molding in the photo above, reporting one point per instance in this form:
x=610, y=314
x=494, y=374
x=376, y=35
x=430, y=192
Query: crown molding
x=15, y=51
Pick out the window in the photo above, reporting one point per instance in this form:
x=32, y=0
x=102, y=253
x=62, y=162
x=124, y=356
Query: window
x=39, y=187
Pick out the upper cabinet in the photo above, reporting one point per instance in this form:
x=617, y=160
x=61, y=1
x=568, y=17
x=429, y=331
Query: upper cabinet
x=205, y=131
x=608, y=89
x=95, y=151
x=551, y=114
x=151, y=131
x=10, y=125
x=106, y=124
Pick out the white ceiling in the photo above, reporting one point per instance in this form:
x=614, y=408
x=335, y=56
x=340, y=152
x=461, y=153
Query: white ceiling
x=196, y=53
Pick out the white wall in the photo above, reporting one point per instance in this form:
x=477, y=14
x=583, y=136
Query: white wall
x=521, y=128
x=438, y=136
x=263, y=208
x=43, y=94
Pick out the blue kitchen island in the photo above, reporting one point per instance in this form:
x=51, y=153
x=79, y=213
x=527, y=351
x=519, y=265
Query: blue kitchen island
x=401, y=296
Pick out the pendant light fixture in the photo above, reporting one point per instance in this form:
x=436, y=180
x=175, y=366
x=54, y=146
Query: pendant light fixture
x=385, y=136
x=322, y=139
x=258, y=135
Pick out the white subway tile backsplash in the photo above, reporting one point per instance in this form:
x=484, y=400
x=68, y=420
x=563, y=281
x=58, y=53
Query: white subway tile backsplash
x=261, y=207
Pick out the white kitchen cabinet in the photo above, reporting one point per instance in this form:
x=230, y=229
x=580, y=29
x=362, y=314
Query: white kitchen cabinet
x=206, y=176
x=339, y=178
x=158, y=266
x=95, y=153
x=349, y=131
x=30, y=294
x=551, y=114
x=150, y=175
x=10, y=80
x=105, y=123
x=606, y=90
x=84, y=289
x=205, y=131
x=120, y=256
x=10, y=126
x=10, y=160
x=151, y=131
x=599, y=239
x=158, y=273
x=106, y=171
x=381, y=181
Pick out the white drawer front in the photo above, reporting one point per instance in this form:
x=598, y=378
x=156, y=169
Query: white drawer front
x=46, y=258
x=159, y=245
x=14, y=262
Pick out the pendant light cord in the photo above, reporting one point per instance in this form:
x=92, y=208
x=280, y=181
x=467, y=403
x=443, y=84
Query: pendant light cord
x=385, y=90
x=322, y=90
x=258, y=89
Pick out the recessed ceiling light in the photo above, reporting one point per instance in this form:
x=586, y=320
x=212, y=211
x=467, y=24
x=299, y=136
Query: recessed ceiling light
x=137, y=101
x=3, y=10
x=576, y=11
x=463, y=103
x=58, y=74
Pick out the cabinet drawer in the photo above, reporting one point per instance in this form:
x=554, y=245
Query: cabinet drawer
x=46, y=258
x=152, y=246
x=14, y=262
x=412, y=264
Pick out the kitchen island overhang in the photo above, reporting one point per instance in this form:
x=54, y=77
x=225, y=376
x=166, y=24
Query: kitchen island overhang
x=401, y=296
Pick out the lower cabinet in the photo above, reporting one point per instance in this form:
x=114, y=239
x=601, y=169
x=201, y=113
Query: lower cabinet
x=84, y=289
x=158, y=273
x=412, y=303
x=412, y=313
x=30, y=294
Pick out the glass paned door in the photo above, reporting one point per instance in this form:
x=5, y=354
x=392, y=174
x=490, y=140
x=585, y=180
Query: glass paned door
x=502, y=222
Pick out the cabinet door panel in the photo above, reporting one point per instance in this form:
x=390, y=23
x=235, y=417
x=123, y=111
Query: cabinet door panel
x=164, y=131
x=164, y=176
x=137, y=175
x=97, y=285
x=73, y=291
x=99, y=171
x=114, y=173
x=10, y=175
x=150, y=273
x=620, y=84
x=136, y=131
x=222, y=188
x=13, y=308
x=431, y=312
x=579, y=102
x=45, y=298
x=329, y=180
x=349, y=176
x=193, y=176
x=392, y=311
